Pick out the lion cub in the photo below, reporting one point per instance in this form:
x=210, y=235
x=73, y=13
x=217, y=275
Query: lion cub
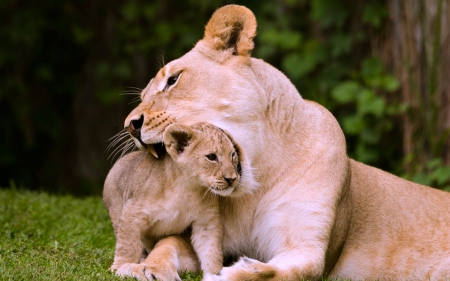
x=175, y=195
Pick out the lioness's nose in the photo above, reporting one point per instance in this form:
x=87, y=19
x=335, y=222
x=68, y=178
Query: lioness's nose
x=135, y=125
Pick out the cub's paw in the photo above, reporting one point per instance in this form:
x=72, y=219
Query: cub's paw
x=135, y=270
x=158, y=273
x=246, y=269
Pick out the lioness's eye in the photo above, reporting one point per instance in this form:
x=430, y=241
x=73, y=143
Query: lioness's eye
x=172, y=79
x=211, y=157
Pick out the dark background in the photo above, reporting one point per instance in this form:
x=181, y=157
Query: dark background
x=381, y=67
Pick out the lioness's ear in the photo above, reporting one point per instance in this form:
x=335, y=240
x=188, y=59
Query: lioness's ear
x=233, y=27
x=176, y=138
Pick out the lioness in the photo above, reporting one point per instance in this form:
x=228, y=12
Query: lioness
x=316, y=212
x=166, y=196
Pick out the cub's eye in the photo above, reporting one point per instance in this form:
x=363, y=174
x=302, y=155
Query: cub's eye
x=173, y=79
x=211, y=157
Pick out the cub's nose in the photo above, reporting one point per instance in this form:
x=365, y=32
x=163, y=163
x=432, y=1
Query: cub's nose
x=135, y=125
x=230, y=180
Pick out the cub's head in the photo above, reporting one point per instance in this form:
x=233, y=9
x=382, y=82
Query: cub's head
x=207, y=154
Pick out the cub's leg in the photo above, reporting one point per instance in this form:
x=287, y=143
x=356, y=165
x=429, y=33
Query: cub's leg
x=170, y=255
x=128, y=245
x=206, y=238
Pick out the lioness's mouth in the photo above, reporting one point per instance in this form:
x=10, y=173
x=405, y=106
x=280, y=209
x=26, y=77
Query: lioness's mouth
x=156, y=149
x=144, y=145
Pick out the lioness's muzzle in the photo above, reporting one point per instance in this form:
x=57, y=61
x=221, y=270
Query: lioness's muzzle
x=135, y=130
x=135, y=126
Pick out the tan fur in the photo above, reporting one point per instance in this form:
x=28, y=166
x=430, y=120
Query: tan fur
x=316, y=212
x=231, y=28
x=166, y=196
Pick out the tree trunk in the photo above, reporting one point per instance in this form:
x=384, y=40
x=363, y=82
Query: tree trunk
x=417, y=49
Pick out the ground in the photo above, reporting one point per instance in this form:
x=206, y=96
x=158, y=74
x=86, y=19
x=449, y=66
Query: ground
x=49, y=237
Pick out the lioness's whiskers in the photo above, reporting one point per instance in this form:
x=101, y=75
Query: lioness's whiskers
x=161, y=62
x=134, y=88
x=126, y=148
x=117, y=140
x=118, y=137
x=113, y=143
x=120, y=148
x=134, y=91
x=119, y=133
x=131, y=93
x=136, y=99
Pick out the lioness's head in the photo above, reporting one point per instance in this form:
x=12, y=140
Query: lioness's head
x=206, y=154
x=214, y=83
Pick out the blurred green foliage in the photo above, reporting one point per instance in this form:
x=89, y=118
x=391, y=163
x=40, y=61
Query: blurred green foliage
x=433, y=173
x=371, y=118
x=64, y=65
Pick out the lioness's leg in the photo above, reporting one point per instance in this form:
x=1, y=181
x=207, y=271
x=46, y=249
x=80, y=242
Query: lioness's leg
x=171, y=255
x=295, y=257
x=253, y=270
x=295, y=234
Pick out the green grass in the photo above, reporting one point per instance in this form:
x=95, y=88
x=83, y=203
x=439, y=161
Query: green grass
x=47, y=237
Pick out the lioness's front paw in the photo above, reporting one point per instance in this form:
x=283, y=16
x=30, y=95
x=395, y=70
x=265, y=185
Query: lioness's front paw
x=246, y=269
x=135, y=270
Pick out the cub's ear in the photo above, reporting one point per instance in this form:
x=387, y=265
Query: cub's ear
x=231, y=27
x=176, y=138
